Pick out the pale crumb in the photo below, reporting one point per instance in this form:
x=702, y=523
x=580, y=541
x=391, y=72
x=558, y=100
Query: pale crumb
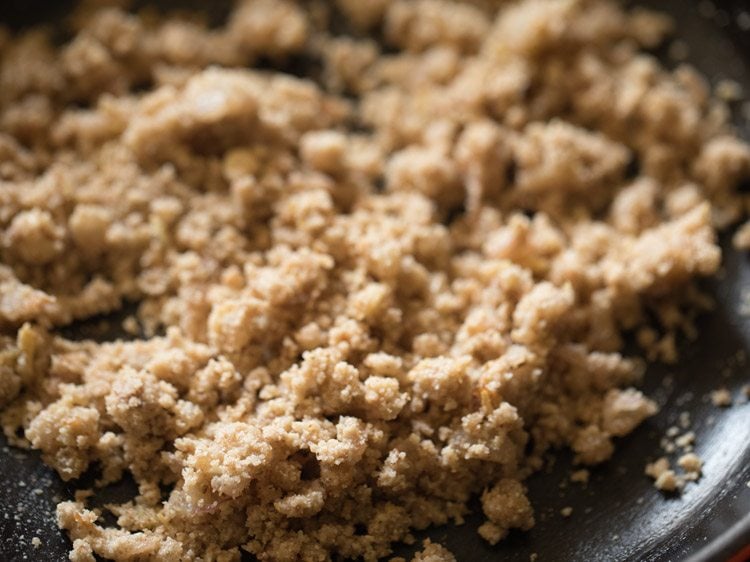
x=741, y=241
x=581, y=476
x=433, y=552
x=657, y=468
x=728, y=90
x=566, y=511
x=668, y=445
x=691, y=476
x=685, y=440
x=690, y=462
x=533, y=557
x=130, y=325
x=721, y=398
x=36, y=542
x=668, y=481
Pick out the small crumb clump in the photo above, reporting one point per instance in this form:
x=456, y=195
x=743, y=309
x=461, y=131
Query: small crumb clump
x=580, y=476
x=685, y=440
x=741, y=238
x=566, y=511
x=691, y=464
x=668, y=481
x=433, y=552
x=665, y=479
x=728, y=90
x=366, y=278
x=721, y=398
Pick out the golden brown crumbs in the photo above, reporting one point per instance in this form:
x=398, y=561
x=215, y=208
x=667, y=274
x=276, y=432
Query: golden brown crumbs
x=366, y=292
x=130, y=325
x=685, y=440
x=728, y=90
x=668, y=482
x=656, y=468
x=672, y=431
x=691, y=464
x=433, y=552
x=741, y=238
x=566, y=511
x=580, y=476
x=721, y=397
x=665, y=479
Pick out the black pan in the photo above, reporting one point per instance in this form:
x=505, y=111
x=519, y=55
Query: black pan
x=618, y=515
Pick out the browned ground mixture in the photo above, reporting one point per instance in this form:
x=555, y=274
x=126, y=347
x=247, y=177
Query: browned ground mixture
x=368, y=293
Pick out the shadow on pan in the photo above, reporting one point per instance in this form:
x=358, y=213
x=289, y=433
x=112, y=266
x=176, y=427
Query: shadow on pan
x=618, y=515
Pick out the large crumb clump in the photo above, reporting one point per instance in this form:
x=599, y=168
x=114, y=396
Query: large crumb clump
x=370, y=287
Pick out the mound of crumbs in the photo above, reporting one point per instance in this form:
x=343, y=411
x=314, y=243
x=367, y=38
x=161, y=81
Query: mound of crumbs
x=383, y=258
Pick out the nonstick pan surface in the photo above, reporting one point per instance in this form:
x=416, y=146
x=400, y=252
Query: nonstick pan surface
x=618, y=515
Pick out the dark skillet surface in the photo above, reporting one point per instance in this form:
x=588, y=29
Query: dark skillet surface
x=618, y=515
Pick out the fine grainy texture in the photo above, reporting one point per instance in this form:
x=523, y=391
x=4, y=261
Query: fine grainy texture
x=378, y=280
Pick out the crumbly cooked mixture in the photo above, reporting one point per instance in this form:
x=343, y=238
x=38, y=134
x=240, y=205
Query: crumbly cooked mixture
x=385, y=255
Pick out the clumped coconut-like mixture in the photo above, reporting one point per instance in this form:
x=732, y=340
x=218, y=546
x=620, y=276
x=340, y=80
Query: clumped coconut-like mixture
x=385, y=255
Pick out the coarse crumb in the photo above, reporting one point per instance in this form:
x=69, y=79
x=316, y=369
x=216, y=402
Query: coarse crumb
x=692, y=464
x=728, y=90
x=433, y=552
x=721, y=398
x=130, y=325
x=741, y=241
x=581, y=476
x=36, y=542
x=685, y=440
x=657, y=468
x=668, y=481
x=367, y=291
x=566, y=511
